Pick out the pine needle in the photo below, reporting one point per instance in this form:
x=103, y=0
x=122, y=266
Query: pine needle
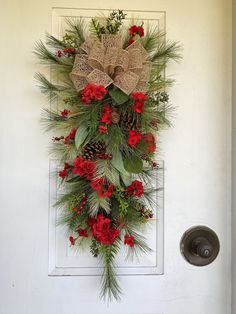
x=53, y=42
x=77, y=27
x=167, y=51
x=48, y=57
x=109, y=284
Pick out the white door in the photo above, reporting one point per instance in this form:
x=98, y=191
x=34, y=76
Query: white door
x=196, y=154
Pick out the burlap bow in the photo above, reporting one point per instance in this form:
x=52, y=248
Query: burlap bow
x=105, y=63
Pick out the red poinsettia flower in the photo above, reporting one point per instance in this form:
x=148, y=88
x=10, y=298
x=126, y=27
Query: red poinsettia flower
x=129, y=240
x=72, y=240
x=102, y=129
x=138, y=107
x=102, y=230
x=134, y=138
x=136, y=188
x=83, y=233
x=65, y=113
x=93, y=92
x=106, y=115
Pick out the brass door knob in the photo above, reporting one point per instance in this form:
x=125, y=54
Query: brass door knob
x=200, y=246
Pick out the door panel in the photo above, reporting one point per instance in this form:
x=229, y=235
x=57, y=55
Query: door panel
x=196, y=153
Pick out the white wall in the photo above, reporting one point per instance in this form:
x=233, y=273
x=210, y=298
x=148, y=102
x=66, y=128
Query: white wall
x=234, y=162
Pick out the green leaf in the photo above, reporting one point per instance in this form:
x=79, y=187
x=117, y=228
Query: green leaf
x=80, y=136
x=117, y=162
x=118, y=96
x=133, y=164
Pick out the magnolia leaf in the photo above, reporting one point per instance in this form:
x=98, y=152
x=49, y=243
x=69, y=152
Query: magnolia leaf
x=118, y=96
x=80, y=136
x=133, y=164
x=117, y=162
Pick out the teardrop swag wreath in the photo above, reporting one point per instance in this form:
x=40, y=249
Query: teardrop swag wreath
x=111, y=103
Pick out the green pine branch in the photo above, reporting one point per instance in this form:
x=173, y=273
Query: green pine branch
x=167, y=51
x=109, y=283
x=53, y=42
x=47, y=88
x=77, y=28
x=152, y=39
x=48, y=57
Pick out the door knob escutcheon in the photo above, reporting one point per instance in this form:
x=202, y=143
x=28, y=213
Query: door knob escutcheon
x=200, y=246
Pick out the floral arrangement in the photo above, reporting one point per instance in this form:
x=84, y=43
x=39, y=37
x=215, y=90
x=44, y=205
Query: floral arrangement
x=108, y=84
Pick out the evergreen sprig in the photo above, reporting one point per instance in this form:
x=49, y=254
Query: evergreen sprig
x=109, y=282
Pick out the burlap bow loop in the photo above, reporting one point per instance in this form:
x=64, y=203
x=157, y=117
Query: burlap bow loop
x=105, y=63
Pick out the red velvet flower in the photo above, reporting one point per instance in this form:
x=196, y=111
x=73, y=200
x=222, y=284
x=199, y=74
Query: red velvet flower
x=129, y=240
x=150, y=142
x=133, y=30
x=139, y=96
x=71, y=137
x=93, y=92
x=65, y=113
x=134, y=138
x=103, y=232
x=140, y=31
x=138, y=107
x=136, y=30
x=83, y=233
x=99, y=185
x=136, y=188
x=72, y=240
x=84, y=167
x=102, y=129
x=64, y=173
x=106, y=115
x=103, y=193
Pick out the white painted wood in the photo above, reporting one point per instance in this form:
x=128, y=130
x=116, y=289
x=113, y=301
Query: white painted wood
x=197, y=167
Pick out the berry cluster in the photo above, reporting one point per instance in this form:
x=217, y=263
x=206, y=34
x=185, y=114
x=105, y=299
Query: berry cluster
x=146, y=213
x=81, y=204
x=135, y=189
x=67, y=52
x=69, y=139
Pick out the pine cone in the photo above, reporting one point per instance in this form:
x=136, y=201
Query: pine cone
x=115, y=117
x=130, y=122
x=93, y=149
